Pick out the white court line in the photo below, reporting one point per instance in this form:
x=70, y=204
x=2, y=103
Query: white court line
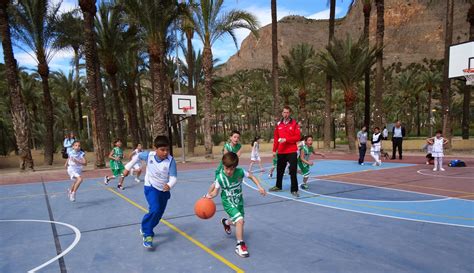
x=69, y=248
x=443, y=176
x=362, y=212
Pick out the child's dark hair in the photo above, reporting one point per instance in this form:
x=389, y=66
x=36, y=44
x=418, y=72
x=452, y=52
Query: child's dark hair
x=307, y=136
x=302, y=138
x=234, y=132
x=376, y=128
x=117, y=140
x=255, y=140
x=439, y=132
x=230, y=160
x=161, y=141
x=76, y=141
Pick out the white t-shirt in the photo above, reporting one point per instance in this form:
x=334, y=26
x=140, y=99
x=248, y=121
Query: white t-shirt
x=376, y=146
x=438, y=145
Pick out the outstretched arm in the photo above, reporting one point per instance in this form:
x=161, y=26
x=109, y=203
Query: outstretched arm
x=320, y=154
x=257, y=183
x=213, y=190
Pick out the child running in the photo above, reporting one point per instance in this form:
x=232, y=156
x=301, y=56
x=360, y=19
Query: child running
x=232, y=145
x=255, y=155
x=229, y=179
x=303, y=160
x=438, y=142
x=160, y=177
x=76, y=160
x=116, y=165
x=375, y=149
x=137, y=168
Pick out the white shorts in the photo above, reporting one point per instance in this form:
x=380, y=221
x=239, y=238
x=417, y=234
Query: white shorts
x=441, y=154
x=255, y=158
x=73, y=172
x=136, y=166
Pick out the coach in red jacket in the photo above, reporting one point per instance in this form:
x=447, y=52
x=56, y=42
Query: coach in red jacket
x=287, y=134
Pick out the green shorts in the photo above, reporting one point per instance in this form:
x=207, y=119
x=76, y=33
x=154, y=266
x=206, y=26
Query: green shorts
x=116, y=167
x=304, y=168
x=235, y=211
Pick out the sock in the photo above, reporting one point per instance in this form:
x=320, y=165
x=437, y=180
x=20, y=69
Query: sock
x=227, y=222
x=435, y=162
x=239, y=241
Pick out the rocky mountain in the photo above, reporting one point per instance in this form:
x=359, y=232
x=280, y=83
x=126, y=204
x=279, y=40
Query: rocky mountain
x=414, y=29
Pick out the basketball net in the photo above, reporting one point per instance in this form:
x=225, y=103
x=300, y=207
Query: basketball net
x=469, y=75
x=187, y=110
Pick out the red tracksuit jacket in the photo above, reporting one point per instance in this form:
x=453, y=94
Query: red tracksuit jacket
x=291, y=132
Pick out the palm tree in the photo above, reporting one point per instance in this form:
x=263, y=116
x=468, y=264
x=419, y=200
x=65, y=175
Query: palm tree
x=446, y=90
x=430, y=80
x=212, y=24
x=347, y=62
x=34, y=25
x=67, y=87
x=367, y=8
x=112, y=43
x=379, y=71
x=328, y=91
x=99, y=125
x=70, y=30
x=276, y=86
x=300, y=70
x=18, y=108
x=155, y=19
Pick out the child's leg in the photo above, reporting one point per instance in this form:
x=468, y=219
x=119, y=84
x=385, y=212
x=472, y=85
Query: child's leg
x=251, y=164
x=261, y=166
x=139, y=172
x=435, y=164
x=76, y=184
x=440, y=163
x=157, y=201
x=239, y=230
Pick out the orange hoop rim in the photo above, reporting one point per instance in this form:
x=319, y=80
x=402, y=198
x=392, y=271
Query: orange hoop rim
x=187, y=108
x=468, y=70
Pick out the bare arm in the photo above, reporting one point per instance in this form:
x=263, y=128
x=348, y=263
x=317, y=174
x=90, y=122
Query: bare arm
x=302, y=155
x=111, y=155
x=213, y=191
x=257, y=183
x=320, y=154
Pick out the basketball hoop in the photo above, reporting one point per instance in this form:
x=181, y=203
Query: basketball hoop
x=469, y=75
x=187, y=110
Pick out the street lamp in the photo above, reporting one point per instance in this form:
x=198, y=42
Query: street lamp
x=88, y=129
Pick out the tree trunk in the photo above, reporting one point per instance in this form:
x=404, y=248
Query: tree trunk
x=120, y=129
x=78, y=94
x=102, y=106
x=379, y=72
x=328, y=91
x=18, y=109
x=143, y=128
x=446, y=91
x=89, y=9
x=43, y=70
x=207, y=65
x=132, y=114
x=303, y=113
x=367, y=10
x=276, y=85
x=349, y=98
x=430, y=112
x=191, y=129
x=160, y=126
x=418, y=125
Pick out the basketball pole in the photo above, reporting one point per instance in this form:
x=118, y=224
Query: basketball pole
x=183, y=153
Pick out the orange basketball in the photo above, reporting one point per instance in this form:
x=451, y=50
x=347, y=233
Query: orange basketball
x=205, y=208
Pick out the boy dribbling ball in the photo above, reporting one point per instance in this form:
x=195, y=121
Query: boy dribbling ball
x=229, y=180
x=75, y=162
x=303, y=160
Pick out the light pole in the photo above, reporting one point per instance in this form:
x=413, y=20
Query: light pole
x=88, y=129
x=183, y=156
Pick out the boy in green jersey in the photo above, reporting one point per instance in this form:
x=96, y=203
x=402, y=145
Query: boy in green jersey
x=116, y=165
x=303, y=160
x=229, y=179
x=233, y=145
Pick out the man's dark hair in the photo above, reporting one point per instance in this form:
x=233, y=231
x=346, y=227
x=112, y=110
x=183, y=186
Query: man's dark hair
x=161, y=141
x=230, y=160
x=287, y=108
x=439, y=132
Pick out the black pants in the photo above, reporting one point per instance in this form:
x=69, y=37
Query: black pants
x=397, y=143
x=362, y=151
x=281, y=166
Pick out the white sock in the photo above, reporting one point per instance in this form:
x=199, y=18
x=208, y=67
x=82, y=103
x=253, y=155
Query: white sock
x=435, y=162
x=440, y=162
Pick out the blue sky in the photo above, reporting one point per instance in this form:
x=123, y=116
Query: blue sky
x=223, y=49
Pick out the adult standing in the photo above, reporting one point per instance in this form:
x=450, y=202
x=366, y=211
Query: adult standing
x=67, y=143
x=286, y=136
x=362, y=140
x=398, y=133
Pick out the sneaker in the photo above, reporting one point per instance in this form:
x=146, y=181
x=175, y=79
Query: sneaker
x=148, y=241
x=270, y=175
x=72, y=197
x=434, y=169
x=275, y=188
x=304, y=186
x=380, y=163
x=441, y=169
x=241, y=250
x=106, y=180
x=121, y=187
x=362, y=164
x=374, y=164
x=295, y=194
x=137, y=180
x=226, y=226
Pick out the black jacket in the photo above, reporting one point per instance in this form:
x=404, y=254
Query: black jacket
x=403, y=131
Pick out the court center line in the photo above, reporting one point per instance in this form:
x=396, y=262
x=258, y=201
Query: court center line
x=182, y=233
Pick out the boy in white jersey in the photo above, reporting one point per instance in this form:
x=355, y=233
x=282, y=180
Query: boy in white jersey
x=76, y=160
x=229, y=179
x=376, y=146
x=137, y=168
x=160, y=177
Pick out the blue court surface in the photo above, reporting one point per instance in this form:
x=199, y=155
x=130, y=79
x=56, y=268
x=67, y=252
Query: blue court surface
x=333, y=227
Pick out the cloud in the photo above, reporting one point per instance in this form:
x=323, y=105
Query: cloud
x=66, y=5
x=322, y=14
x=61, y=60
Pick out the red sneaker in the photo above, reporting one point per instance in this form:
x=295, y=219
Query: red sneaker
x=226, y=226
x=241, y=250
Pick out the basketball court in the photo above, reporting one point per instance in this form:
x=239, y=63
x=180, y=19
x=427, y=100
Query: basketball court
x=393, y=218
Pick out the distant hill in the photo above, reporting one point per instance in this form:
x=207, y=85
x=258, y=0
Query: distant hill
x=414, y=29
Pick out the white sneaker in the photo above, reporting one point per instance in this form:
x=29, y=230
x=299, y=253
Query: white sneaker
x=72, y=197
x=375, y=164
x=441, y=169
x=362, y=164
x=106, y=180
x=137, y=180
x=241, y=250
x=380, y=163
x=434, y=169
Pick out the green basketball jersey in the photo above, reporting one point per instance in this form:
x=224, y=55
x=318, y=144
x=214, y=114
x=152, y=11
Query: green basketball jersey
x=228, y=147
x=117, y=152
x=308, y=150
x=231, y=187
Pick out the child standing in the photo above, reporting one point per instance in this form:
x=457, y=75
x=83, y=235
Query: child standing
x=376, y=145
x=233, y=145
x=76, y=160
x=160, y=177
x=116, y=165
x=303, y=160
x=438, y=142
x=137, y=168
x=429, y=151
x=255, y=155
x=229, y=179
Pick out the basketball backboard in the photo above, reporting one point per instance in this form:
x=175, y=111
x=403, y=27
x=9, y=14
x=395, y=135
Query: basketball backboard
x=461, y=56
x=182, y=102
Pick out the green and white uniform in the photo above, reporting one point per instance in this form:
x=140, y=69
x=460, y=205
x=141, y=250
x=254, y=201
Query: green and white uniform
x=307, y=150
x=117, y=166
x=229, y=148
x=231, y=193
x=275, y=159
